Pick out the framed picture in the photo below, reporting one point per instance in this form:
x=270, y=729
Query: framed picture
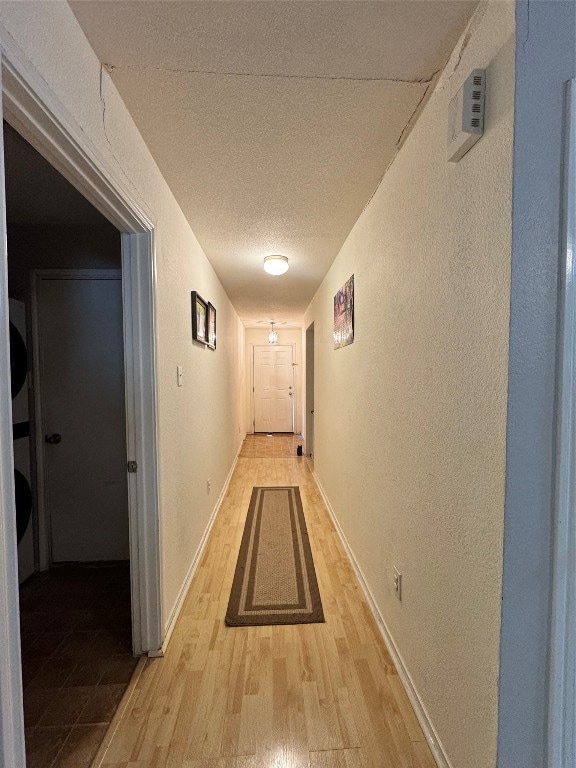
x=211, y=326
x=344, y=314
x=199, y=318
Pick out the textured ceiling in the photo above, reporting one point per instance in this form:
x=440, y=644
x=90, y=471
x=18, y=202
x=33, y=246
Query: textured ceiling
x=273, y=122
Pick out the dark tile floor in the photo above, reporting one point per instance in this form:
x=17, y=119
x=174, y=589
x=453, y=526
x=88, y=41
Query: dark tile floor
x=76, y=660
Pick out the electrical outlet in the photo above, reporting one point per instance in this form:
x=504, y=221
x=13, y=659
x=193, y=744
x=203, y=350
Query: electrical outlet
x=208, y=485
x=397, y=583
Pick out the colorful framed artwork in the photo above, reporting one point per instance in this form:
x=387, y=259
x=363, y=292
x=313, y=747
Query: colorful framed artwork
x=344, y=315
x=199, y=318
x=211, y=326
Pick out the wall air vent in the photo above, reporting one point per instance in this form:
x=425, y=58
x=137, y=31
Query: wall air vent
x=466, y=115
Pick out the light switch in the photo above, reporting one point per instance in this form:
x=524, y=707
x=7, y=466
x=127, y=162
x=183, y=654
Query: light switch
x=179, y=375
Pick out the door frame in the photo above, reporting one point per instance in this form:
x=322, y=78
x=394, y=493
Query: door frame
x=34, y=111
x=562, y=671
x=309, y=402
x=252, y=377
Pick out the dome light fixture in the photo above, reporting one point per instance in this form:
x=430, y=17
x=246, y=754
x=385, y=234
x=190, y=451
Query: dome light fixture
x=272, y=336
x=276, y=264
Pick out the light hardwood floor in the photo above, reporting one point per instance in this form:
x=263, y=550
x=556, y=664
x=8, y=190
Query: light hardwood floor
x=308, y=696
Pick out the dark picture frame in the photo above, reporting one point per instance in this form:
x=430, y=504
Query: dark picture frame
x=344, y=315
x=211, y=326
x=199, y=318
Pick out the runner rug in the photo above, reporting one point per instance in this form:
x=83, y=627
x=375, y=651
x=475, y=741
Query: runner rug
x=275, y=581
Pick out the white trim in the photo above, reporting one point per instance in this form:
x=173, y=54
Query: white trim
x=428, y=729
x=12, y=750
x=177, y=608
x=562, y=693
x=142, y=440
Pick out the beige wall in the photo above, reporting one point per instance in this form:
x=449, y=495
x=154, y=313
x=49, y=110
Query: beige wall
x=254, y=336
x=410, y=419
x=199, y=424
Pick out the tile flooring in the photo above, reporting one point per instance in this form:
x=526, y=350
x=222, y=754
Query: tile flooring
x=76, y=660
x=273, y=446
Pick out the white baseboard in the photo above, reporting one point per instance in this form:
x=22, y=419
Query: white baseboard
x=195, y=561
x=438, y=751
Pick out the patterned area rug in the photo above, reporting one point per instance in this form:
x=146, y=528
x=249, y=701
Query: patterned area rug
x=275, y=581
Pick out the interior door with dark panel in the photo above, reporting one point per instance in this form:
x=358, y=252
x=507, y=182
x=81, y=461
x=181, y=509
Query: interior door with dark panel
x=80, y=341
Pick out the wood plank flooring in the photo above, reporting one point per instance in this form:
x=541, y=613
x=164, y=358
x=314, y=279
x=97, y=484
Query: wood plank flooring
x=270, y=446
x=305, y=696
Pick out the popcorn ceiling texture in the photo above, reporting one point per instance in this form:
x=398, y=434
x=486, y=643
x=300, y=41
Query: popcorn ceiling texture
x=199, y=424
x=284, y=116
x=269, y=39
x=410, y=420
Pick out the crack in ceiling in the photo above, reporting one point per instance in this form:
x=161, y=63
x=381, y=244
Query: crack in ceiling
x=180, y=71
x=273, y=123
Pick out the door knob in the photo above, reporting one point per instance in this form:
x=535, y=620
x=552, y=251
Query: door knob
x=53, y=439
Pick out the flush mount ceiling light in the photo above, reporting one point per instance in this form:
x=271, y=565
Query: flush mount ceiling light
x=276, y=264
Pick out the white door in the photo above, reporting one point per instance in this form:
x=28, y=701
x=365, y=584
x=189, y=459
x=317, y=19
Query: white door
x=273, y=389
x=79, y=326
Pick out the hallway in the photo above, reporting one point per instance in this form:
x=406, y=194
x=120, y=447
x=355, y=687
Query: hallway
x=313, y=696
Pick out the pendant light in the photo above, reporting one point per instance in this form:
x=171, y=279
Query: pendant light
x=272, y=336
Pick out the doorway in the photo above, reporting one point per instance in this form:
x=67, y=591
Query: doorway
x=75, y=597
x=273, y=388
x=310, y=392
x=30, y=107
